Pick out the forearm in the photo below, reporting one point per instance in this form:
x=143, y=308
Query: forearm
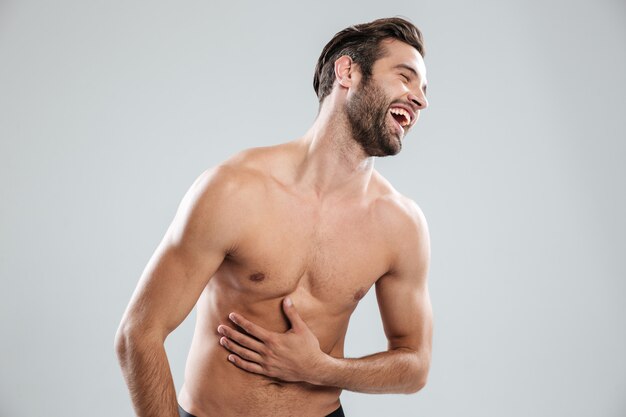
x=147, y=373
x=395, y=371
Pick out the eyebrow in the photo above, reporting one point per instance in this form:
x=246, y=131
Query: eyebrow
x=412, y=70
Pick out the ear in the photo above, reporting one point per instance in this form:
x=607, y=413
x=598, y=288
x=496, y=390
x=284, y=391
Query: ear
x=344, y=70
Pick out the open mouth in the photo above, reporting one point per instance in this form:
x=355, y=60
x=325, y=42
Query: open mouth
x=401, y=116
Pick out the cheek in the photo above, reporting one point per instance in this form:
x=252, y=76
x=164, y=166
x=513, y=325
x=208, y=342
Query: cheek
x=400, y=92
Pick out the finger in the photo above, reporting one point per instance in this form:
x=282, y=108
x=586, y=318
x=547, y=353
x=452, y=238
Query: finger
x=250, y=328
x=241, y=351
x=246, y=365
x=292, y=314
x=240, y=338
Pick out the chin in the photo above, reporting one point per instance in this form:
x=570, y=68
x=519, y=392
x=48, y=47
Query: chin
x=393, y=146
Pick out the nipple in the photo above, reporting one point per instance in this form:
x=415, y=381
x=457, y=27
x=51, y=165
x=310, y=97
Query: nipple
x=257, y=277
x=360, y=294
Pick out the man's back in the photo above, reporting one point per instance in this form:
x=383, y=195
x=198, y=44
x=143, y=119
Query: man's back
x=324, y=254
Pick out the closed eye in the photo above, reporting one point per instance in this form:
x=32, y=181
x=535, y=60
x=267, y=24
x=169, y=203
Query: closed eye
x=407, y=79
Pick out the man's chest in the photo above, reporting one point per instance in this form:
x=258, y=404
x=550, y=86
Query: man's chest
x=333, y=254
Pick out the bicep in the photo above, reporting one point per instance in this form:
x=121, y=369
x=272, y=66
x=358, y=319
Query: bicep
x=402, y=294
x=201, y=234
x=406, y=314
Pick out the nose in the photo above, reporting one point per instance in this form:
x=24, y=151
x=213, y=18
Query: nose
x=419, y=101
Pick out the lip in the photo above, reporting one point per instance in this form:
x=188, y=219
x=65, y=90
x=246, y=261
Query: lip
x=408, y=109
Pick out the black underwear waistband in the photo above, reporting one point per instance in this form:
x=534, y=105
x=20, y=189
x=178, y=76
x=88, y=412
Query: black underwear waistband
x=337, y=413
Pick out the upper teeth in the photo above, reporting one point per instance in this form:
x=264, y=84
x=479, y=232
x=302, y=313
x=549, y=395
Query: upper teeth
x=401, y=111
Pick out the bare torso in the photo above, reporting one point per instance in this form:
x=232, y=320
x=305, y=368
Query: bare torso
x=326, y=254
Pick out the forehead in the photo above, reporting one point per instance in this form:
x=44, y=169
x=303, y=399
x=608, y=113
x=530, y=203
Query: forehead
x=398, y=53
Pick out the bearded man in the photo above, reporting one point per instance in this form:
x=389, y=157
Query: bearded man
x=276, y=246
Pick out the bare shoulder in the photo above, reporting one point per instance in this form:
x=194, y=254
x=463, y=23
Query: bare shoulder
x=264, y=162
x=219, y=203
x=404, y=226
x=234, y=185
x=223, y=190
x=397, y=211
x=223, y=182
x=244, y=172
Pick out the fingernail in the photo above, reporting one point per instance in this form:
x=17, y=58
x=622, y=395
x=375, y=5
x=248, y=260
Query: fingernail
x=232, y=316
x=288, y=302
x=231, y=358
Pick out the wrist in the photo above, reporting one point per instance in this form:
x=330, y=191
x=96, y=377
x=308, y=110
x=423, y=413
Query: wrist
x=322, y=372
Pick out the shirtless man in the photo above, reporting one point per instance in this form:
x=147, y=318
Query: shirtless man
x=277, y=245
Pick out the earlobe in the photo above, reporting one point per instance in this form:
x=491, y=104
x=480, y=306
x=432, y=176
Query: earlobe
x=343, y=71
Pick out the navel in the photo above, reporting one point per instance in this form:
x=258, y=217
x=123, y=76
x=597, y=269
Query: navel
x=360, y=294
x=257, y=277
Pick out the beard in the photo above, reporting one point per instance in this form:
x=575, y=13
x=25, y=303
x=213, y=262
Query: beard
x=367, y=118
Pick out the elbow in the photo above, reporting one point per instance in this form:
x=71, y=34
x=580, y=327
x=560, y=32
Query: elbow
x=417, y=385
x=130, y=337
x=127, y=338
x=121, y=342
x=419, y=377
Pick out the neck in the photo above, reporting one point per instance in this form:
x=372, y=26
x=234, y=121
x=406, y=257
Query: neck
x=331, y=160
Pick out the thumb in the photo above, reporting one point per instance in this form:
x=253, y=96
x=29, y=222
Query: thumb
x=292, y=314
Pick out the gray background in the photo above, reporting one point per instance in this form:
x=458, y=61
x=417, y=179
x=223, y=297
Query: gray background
x=109, y=110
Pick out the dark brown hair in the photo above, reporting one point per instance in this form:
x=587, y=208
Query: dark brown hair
x=362, y=44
